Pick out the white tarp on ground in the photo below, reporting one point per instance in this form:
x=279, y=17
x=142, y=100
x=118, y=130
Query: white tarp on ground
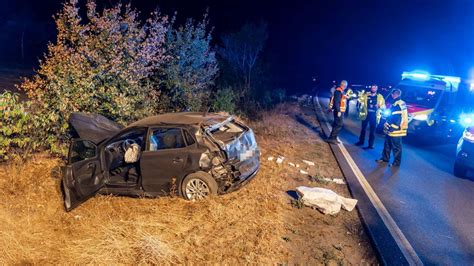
x=325, y=200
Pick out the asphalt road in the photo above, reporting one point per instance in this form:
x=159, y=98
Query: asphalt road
x=433, y=208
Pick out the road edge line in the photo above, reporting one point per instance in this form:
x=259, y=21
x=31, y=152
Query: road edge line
x=405, y=247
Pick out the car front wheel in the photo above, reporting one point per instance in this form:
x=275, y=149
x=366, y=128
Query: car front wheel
x=460, y=170
x=198, y=186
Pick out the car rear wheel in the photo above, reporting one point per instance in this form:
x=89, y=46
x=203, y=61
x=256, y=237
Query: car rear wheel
x=460, y=170
x=198, y=186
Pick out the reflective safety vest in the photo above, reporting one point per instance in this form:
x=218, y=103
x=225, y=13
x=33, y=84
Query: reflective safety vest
x=400, y=130
x=343, y=100
x=363, y=109
x=350, y=94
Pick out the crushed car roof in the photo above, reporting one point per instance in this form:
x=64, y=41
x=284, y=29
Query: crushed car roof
x=183, y=118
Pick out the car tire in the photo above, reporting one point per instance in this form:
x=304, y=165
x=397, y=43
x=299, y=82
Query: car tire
x=459, y=170
x=198, y=186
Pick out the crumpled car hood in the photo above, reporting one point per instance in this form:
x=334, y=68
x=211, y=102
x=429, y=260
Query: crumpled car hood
x=93, y=127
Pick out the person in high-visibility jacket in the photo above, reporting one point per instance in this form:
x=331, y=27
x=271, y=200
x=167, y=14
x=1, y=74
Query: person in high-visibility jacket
x=337, y=104
x=350, y=95
x=371, y=107
x=395, y=128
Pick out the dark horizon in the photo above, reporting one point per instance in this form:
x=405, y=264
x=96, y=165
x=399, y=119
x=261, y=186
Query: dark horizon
x=364, y=42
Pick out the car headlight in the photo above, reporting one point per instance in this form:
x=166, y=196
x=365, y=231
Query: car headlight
x=468, y=135
x=421, y=117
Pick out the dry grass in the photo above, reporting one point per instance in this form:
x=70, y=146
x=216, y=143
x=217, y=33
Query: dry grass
x=256, y=224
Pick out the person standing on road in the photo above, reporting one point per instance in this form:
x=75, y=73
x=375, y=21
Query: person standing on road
x=349, y=96
x=372, y=105
x=395, y=128
x=337, y=104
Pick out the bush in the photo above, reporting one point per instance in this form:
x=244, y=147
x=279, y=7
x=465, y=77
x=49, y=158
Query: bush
x=273, y=97
x=190, y=69
x=101, y=64
x=224, y=101
x=15, y=126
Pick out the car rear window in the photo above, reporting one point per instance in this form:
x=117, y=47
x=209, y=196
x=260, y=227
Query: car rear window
x=228, y=132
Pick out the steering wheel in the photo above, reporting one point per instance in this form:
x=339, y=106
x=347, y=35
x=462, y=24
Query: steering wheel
x=127, y=143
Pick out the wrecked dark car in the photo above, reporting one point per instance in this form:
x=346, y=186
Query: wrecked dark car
x=193, y=155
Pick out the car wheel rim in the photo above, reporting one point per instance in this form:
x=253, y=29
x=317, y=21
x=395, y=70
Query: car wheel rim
x=197, y=189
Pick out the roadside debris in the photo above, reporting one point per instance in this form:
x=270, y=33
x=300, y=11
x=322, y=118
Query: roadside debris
x=325, y=200
x=339, y=181
x=325, y=180
x=280, y=159
x=294, y=165
x=305, y=170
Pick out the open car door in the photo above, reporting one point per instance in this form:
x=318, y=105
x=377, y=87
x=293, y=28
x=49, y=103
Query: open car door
x=82, y=177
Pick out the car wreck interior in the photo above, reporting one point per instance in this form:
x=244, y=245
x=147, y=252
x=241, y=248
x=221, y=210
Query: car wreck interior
x=120, y=171
x=127, y=173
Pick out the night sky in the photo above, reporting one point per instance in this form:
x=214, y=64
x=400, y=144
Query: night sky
x=361, y=41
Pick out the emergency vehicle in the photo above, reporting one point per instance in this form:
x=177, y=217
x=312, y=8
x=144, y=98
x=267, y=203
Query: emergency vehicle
x=435, y=106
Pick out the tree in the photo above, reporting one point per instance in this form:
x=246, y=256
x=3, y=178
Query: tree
x=191, y=66
x=242, y=49
x=101, y=65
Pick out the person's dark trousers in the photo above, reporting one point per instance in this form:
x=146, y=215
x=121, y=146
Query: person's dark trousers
x=371, y=120
x=346, y=113
x=392, y=144
x=336, y=125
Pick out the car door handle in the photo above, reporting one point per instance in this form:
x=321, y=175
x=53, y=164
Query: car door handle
x=178, y=160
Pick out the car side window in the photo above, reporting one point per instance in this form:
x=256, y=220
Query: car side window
x=166, y=138
x=189, y=139
x=136, y=134
x=82, y=150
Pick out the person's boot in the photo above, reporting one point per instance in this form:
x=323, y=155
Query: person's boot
x=368, y=148
x=394, y=164
x=359, y=143
x=381, y=160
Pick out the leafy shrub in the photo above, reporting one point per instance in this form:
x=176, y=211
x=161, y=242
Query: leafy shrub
x=15, y=125
x=101, y=64
x=225, y=101
x=273, y=97
x=190, y=68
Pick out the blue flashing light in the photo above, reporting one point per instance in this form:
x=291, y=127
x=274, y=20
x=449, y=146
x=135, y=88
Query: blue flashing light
x=418, y=75
x=467, y=120
x=386, y=112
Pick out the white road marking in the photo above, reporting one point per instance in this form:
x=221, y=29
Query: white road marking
x=400, y=239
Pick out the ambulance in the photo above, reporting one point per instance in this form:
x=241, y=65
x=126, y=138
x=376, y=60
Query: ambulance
x=436, y=108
